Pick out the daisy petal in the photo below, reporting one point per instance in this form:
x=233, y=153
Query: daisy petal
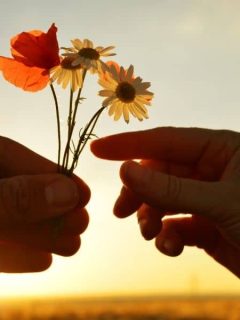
x=71, y=50
x=61, y=76
x=118, y=111
x=131, y=109
x=79, y=78
x=129, y=74
x=111, y=110
x=87, y=43
x=122, y=74
x=77, y=43
x=114, y=72
x=106, y=49
x=107, y=101
x=108, y=54
x=99, y=49
x=141, y=107
x=145, y=85
x=55, y=72
x=66, y=79
x=126, y=113
x=106, y=93
x=104, y=67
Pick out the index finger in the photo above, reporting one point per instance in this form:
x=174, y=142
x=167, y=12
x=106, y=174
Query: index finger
x=182, y=145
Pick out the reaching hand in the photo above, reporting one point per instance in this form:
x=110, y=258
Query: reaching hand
x=41, y=212
x=182, y=170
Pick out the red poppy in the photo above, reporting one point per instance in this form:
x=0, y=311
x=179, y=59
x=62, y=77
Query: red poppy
x=34, y=54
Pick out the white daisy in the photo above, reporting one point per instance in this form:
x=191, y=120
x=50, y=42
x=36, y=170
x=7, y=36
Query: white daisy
x=88, y=56
x=124, y=93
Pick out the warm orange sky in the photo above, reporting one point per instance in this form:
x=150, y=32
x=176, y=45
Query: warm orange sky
x=190, y=51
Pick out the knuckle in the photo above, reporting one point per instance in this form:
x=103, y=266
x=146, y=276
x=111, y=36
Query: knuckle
x=161, y=189
x=173, y=189
x=148, y=177
x=16, y=199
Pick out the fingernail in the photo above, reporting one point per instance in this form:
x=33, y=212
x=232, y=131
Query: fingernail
x=62, y=193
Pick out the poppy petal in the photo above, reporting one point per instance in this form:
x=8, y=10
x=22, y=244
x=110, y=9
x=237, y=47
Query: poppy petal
x=39, y=48
x=26, y=77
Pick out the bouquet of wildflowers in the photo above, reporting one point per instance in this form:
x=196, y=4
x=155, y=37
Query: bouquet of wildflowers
x=37, y=63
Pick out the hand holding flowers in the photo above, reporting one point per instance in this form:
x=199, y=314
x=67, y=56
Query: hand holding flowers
x=34, y=229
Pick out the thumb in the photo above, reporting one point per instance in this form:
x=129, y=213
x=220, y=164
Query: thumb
x=170, y=193
x=33, y=198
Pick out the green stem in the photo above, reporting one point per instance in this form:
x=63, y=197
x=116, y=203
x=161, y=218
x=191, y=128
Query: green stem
x=85, y=136
x=72, y=124
x=78, y=97
x=58, y=126
x=69, y=129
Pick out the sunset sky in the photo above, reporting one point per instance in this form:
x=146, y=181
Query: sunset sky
x=190, y=51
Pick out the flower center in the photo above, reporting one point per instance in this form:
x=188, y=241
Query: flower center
x=89, y=53
x=66, y=63
x=125, y=92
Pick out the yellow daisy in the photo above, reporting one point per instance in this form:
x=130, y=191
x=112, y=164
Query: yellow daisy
x=88, y=56
x=65, y=73
x=124, y=93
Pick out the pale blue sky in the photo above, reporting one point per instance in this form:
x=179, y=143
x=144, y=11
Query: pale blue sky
x=190, y=51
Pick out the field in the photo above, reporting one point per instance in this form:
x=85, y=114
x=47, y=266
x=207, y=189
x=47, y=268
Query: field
x=157, y=308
